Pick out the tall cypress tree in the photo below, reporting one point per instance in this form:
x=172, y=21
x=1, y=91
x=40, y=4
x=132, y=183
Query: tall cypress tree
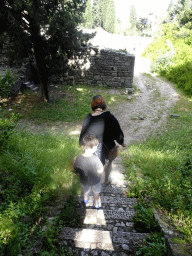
x=97, y=13
x=109, y=16
x=104, y=12
x=88, y=20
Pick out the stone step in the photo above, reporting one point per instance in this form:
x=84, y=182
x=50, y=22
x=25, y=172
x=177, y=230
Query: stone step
x=101, y=240
x=112, y=201
x=102, y=217
x=113, y=190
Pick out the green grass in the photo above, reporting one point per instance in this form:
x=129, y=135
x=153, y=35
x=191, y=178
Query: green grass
x=69, y=103
x=34, y=171
x=161, y=168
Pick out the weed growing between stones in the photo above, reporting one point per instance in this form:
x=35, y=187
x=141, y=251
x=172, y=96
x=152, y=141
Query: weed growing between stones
x=155, y=244
x=144, y=219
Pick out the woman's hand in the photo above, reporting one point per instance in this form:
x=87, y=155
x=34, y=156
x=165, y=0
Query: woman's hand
x=100, y=171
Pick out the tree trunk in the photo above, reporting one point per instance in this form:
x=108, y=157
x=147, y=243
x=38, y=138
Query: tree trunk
x=40, y=55
x=41, y=65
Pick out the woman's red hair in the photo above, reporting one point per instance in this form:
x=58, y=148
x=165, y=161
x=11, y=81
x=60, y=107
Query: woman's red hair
x=98, y=102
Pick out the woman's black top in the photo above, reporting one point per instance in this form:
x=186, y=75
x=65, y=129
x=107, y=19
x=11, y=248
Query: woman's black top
x=105, y=127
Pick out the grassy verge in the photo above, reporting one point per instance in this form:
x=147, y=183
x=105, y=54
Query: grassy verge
x=69, y=103
x=161, y=168
x=34, y=171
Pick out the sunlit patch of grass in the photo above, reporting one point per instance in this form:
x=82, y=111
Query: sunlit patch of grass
x=69, y=103
x=161, y=168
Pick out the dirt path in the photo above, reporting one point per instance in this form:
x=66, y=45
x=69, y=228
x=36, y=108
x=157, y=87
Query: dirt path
x=148, y=111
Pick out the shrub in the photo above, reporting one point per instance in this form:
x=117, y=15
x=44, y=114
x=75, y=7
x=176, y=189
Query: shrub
x=144, y=219
x=175, y=63
x=5, y=84
x=155, y=244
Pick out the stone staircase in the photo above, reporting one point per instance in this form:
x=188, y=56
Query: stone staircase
x=109, y=230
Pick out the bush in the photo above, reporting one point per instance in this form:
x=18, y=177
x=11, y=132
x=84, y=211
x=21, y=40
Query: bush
x=155, y=244
x=144, y=219
x=5, y=84
x=174, y=62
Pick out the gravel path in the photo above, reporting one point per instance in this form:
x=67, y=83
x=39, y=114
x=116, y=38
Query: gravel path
x=148, y=111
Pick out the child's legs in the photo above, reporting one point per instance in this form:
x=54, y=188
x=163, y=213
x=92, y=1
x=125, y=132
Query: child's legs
x=85, y=190
x=97, y=190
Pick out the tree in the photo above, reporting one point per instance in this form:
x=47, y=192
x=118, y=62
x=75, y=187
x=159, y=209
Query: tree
x=133, y=17
x=47, y=28
x=108, y=15
x=88, y=20
x=97, y=13
x=176, y=12
x=142, y=24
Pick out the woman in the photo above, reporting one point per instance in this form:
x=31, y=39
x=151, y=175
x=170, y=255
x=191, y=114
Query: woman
x=103, y=125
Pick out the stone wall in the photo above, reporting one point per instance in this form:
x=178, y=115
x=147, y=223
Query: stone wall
x=92, y=65
x=102, y=67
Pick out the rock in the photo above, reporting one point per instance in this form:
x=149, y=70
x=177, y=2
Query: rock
x=83, y=254
x=37, y=247
x=120, y=210
x=141, y=118
x=174, y=116
x=130, y=90
x=129, y=97
x=125, y=247
x=115, y=230
x=104, y=254
x=94, y=253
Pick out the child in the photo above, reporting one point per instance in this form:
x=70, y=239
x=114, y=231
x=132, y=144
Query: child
x=89, y=168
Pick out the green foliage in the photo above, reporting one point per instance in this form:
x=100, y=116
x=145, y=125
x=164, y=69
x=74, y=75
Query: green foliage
x=109, y=16
x=155, y=244
x=160, y=168
x=69, y=215
x=143, y=25
x=97, y=13
x=143, y=219
x=33, y=169
x=49, y=31
x=5, y=84
x=88, y=23
x=171, y=55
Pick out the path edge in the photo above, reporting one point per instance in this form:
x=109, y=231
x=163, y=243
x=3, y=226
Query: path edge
x=169, y=233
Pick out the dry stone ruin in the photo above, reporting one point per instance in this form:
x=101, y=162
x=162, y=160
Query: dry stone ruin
x=102, y=67
x=92, y=65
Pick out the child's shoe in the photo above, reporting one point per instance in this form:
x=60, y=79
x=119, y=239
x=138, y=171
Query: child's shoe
x=97, y=206
x=86, y=201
